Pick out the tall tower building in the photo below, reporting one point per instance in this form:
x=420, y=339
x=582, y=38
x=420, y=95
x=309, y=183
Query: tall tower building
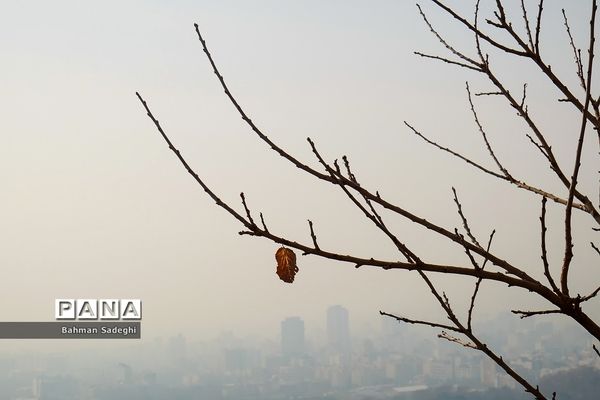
x=37, y=388
x=338, y=329
x=292, y=336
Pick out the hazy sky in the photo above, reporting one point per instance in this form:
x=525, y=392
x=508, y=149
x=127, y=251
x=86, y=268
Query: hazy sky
x=94, y=205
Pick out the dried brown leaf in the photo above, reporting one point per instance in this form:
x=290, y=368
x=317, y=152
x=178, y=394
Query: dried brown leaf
x=286, y=264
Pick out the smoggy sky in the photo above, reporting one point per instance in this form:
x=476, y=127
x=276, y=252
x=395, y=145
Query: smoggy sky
x=94, y=205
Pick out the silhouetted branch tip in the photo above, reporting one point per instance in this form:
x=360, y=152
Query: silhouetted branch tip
x=262, y=221
x=464, y=219
x=312, y=235
x=595, y=248
x=248, y=214
x=526, y=314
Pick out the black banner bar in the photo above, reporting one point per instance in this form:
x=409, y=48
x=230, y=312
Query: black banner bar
x=70, y=330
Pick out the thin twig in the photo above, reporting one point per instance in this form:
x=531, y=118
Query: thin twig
x=538, y=26
x=447, y=61
x=262, y=221
x=539, y=147
x=453, y=339
x=595, y=248
x=576, y=52
x=489, y=94
x=523, y=98
x=464, y=219
x=544, y=250
x=312, y=235
x=589, y=296
x=525, y=314
x=248, y=214
x=419, y=322
x=527, y=27
x=484, y=135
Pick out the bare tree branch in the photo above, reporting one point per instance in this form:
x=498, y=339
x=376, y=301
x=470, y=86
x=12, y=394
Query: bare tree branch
x=576, y=52
x=457, y=53
x=478, y=32
x=509, y=178
x=454, y=153
x=546, y=69
x=335, y=177
x=370, y=203
x=568, y=232
x=477, y=286
x=527, y=53
x=548, y=153
x=187, y=167
x=347, y=182
x=527, y=27
x=484, y=136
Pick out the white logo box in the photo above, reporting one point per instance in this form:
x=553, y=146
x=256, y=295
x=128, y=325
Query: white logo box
x=98, y=309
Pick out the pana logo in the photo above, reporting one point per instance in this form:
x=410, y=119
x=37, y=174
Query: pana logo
x=94, y=309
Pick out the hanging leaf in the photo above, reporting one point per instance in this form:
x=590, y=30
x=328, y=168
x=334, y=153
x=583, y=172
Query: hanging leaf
x=286, y=264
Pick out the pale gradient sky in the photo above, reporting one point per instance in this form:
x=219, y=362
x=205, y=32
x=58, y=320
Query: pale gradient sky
x=94, y=205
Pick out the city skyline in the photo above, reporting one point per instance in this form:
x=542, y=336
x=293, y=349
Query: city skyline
x=386, y=364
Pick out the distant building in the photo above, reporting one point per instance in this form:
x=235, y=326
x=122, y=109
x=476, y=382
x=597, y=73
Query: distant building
x=393, y=333
x=292, y=336
x=489, y=376
x=338, y=329
x=438, y=370
x=37, y=388
x=236, y=359
x=177, y=348
x=127, y=377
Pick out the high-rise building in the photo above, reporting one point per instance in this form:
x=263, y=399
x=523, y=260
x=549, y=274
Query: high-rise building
x=177, y=348
x=292, y=336
x=338, y=329
x=236, y=359
x=37, y=388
